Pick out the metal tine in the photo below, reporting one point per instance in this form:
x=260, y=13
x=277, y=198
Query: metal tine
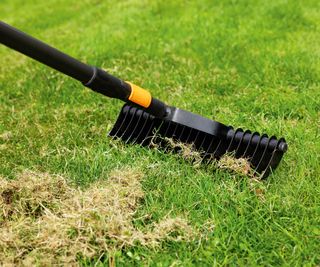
x=232, y=140
x=147, y=138
x=233, y=144
x=189, y=139
x=163, y=143
x=257, y=152
x=163, y=127
x=278, y=155
x=264, y=158
x=172, y=136
x=138, y=138
x=267, y=170
x=189, y=135
x=239, y=144
x=168, y=127
x=126, y=127
x=218, y=148
x=252, y=149
x=201, y=145
x=184, y=134
x=175, y=129
x=277, y=158
x=222, y=146
x=122, y=124
x=222, y=149
x=115, y=126
x=180, y=135
x=227, y=140
x=272, y=159
x=248, y=150
x=128, y=131
x=201, y=150
x=195, y=139
x=209, y=146
x=240, y=147
x=171, y=130
x=131, y=137
x=118, y=123
x=155, y=134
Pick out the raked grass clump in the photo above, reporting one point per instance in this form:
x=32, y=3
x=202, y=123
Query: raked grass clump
x=250, y=64
x=44, y=221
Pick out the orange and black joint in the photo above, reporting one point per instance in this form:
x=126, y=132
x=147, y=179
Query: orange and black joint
x=143, y=98
x=108, y=85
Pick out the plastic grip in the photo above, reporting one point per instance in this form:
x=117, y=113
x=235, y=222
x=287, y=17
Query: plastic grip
x=108, y=85
x=139, y=96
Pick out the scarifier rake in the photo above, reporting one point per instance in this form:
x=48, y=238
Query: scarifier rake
x=143, y=115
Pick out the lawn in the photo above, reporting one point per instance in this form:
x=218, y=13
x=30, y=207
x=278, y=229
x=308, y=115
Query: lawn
x=250, y=64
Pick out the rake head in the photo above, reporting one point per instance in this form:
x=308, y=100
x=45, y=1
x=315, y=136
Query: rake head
x=212, y=139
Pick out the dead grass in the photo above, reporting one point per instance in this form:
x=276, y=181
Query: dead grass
x=46, y=221
x=239, y=166
x=227, y=162
x=5, y=136
x=186, y=151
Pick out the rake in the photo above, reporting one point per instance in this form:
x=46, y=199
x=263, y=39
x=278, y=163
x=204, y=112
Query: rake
x=143, y=116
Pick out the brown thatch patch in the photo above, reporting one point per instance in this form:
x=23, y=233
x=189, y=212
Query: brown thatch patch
x=184, y=150
x=45, y=221
x=188, y=152
x=239, y=166
x=6, y=136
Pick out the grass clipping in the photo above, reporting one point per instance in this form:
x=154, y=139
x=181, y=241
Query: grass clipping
x=228, y=162
x=45, y=221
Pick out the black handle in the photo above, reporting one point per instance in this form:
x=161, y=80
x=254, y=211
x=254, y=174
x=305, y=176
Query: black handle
x=92, y=77
x=44, y=53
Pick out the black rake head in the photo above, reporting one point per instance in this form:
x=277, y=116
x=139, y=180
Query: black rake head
x=212, y=139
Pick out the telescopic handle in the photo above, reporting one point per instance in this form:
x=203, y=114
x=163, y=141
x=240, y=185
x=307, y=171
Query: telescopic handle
x=92, y=77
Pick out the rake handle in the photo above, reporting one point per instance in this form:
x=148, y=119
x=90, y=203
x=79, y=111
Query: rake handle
x=92, y=77
x=44, y=53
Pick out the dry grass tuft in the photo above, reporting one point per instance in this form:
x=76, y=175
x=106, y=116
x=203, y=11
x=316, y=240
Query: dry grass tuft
x=46, y=221
x=239, y=166
x=188, y=152
x=6, y=136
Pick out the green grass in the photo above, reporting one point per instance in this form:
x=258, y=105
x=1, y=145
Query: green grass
x=251, y=64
